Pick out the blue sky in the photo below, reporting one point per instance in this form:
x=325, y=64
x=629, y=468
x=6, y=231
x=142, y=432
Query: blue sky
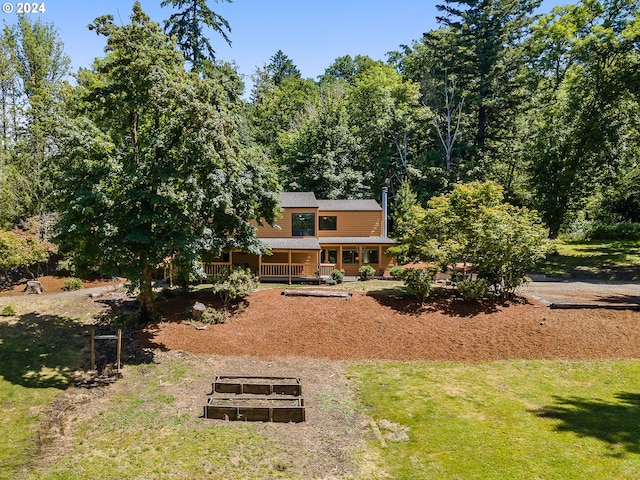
x=313, y=33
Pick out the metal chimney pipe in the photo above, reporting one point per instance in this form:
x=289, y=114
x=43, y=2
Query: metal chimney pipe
x=384, y=211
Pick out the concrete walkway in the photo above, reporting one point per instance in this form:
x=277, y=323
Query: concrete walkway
x=584, y=294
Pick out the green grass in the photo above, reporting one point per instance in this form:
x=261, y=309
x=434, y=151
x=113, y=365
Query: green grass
x=381, y=287
x=610, y=260
x=512, y=419
x=139, y=433
x=35, y=365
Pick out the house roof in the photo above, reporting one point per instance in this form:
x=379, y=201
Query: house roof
x=291, y=243
x=308, y=200
x=356, y=240
x=349, y=205
x=298, y=200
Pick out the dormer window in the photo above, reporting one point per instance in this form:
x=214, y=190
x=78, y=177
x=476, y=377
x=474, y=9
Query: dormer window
x=303, y=224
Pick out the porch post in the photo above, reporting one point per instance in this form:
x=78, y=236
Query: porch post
x=339, y=257
x=289, y=266
x=380, y=263
x=230, y=259
x=259, y=266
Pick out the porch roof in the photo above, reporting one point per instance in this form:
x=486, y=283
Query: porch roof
x=357, y=240
x=291, y=243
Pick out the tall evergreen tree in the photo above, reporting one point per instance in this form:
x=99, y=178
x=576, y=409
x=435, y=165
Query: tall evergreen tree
x=281, y=67
x=33, y=66
x=188, y=26
x=488, y=57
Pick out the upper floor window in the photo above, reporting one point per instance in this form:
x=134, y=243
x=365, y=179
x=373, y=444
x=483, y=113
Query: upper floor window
x=328, y=223
x=303, y=224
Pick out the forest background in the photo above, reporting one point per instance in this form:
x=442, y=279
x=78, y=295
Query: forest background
x=546, y=105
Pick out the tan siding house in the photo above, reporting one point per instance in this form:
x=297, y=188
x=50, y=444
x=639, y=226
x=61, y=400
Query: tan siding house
x=313, y=237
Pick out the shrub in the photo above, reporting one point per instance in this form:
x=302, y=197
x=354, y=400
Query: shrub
x=337, y=275
x=234, y=284
x=419, y=280
x=397, y=272
x=472, y=224
x=213, y=317
x=474, y=289
x=8, y=311
x=330, y=281
x=366, y=272
x=72, y=283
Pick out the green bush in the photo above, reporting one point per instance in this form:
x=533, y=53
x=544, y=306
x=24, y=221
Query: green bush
x=72, y=283
x=397, y=272
x=213, y=317
x=330, y=281
x=474, y=289
x=585, y=230
x=419, y=280
x=234, y=284
x=366, y=272
x=337, y=275
x=473, y=224
x=8, y=311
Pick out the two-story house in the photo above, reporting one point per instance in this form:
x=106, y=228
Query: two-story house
x=312, y=237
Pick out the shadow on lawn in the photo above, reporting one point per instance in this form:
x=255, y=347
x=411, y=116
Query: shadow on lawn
x=615, y=423
x=50, y=351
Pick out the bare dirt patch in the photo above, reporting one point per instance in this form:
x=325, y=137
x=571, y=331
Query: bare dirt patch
x=381, y=327
x=53, y=285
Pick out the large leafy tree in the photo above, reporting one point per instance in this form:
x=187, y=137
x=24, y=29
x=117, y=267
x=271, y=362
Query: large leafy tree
x=473, y=225
x=188, y=25
x=584, y=137
x=151, y=164
x=321, y=153
x=383, y=112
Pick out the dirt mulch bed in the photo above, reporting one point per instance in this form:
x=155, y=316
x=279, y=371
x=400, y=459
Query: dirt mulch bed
x=369, y=327
x=53, y=284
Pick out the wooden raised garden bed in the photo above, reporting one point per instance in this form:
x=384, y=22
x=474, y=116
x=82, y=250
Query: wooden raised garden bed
x=257, y=385
x=255, y=399
x=255, y=409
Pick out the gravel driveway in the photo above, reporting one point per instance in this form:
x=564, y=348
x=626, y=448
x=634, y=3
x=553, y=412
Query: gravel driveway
x=583, y=292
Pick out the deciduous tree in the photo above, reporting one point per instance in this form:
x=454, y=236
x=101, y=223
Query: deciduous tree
x=151, y=164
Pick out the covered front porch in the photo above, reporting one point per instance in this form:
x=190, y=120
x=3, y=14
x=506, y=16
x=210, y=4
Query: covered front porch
x=289, y=260
x=351, y=253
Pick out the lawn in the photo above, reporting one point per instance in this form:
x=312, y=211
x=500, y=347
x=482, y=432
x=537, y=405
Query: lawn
x=515, y=419
x=512, y=419
x=38, y=354
x=607, y=260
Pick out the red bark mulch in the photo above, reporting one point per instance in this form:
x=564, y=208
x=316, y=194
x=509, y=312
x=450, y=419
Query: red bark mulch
x=368, y=327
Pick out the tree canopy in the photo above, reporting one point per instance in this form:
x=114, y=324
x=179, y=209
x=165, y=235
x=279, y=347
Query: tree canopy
x=150, y=162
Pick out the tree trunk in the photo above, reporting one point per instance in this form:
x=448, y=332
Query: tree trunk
x=147, y=303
